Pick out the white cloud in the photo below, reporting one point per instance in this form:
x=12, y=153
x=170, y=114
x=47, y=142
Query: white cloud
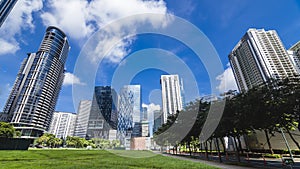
x=71, y=79
x=227, y=81
x=19, y=19
x=80, y=18
x=7, y=47
x=150, y=109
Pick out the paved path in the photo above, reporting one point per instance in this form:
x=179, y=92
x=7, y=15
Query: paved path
x=211, y=163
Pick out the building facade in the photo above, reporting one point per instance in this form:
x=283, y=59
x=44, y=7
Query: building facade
x=31, y=103
x=129, y=112
x=82, y=119
x=294, y=53
x=5, y=8
x=103, y=115
x=259, y=57
x=158, y=121
x=171, y=95
x=63, y=124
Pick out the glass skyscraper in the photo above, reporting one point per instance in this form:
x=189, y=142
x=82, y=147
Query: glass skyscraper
x=5, y=7
x=129, y=116
x=31, y=103
x=103, y=115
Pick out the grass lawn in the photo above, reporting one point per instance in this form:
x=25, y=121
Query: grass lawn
x=87, y=159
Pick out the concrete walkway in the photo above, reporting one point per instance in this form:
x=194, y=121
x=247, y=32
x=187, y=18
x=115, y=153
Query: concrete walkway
x=211, y=163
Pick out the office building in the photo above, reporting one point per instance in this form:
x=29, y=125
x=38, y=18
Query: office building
x=129, y=112
x=63, y=124
x=259, y=57
x=5, y=8
x=31, y=103
x=158, y=121
x=171, y=95
x=294, y=53
x=103, y=115
x=82, y=119
x=144, y=114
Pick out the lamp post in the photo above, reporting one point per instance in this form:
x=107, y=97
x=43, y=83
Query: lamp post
x=287, y=144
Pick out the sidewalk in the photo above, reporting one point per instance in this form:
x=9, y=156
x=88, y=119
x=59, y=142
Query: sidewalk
x=211, y=163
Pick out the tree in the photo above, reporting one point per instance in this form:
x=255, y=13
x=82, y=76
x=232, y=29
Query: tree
x=6, y=130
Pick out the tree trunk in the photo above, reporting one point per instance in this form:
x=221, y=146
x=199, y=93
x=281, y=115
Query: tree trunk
x=240, y=144
x=200, y=149
x=223, y=144
x=268, y=141
x=210, y=146
x=292, y=137
x=247, y=144
x=237, y=149
x=218, y=148
x=190, y=149
x=206, y=150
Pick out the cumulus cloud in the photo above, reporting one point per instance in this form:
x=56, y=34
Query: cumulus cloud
x=150, y=109
x=19, y=19
x=80, y=18
x=227, y=81
x=71, y=79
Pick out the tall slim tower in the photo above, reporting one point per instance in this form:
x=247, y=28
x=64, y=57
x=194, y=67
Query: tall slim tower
x=5, y=7
x=129, y=111
x=171, y=95
x=33, y=98
x=258, y=57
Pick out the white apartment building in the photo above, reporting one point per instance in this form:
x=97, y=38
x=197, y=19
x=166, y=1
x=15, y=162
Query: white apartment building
x=294, y=53
x=258, y=57
x=171, y=95
x=62, y=124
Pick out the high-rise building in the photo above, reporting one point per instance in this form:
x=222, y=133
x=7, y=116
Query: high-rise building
x=144, y=113
x=259, y=57
x=63, y=124
x=129, y=112
x=294, y=53
x=5, y=7
x=82, y=119
x=171, y=95
x=103, y=115
x=31, y=103
x=157, y=120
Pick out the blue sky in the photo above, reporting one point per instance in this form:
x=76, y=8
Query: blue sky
x=223, y=22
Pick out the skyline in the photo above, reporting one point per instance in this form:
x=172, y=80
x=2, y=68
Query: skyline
x=224, y=24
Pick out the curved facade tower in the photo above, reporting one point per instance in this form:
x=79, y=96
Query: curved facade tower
x=31, y=103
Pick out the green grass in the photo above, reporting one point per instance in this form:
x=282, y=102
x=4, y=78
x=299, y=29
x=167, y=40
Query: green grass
x=89, y=159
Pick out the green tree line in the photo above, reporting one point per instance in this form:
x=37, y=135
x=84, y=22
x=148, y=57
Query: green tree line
x=267, y=108
x=49, y=140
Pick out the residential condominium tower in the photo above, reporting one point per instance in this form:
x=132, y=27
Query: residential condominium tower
x=171, y=95
x=62, y=124
x=259, y=57
x=294, y=53
x=31, y=103
x=5, y=7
